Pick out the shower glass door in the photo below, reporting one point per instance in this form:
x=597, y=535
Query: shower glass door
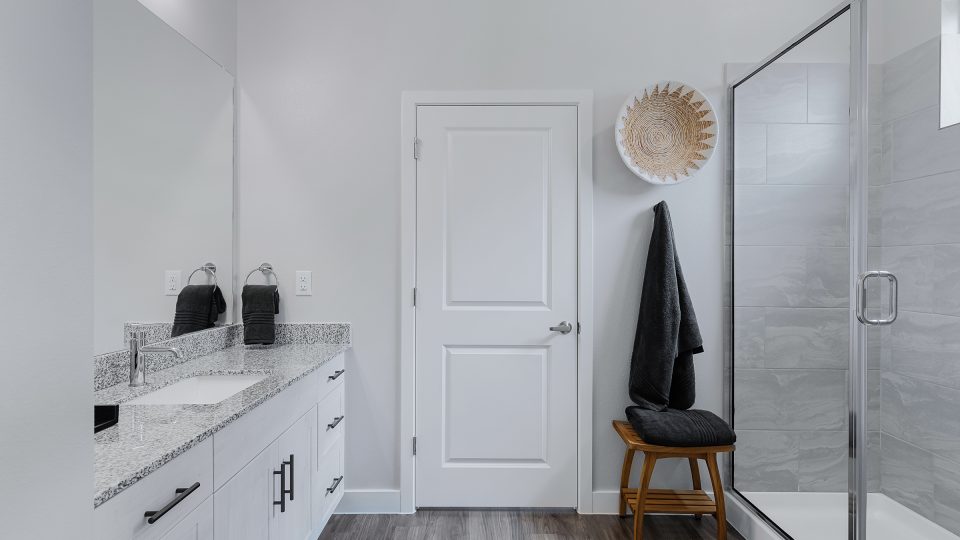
x=791, y=282
x=845, y=284
x=913, y=332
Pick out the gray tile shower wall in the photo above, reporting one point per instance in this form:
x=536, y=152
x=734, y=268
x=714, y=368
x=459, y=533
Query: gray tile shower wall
x=917, y=201
x=112, y=368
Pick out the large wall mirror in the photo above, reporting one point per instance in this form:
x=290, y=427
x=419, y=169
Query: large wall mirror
x=163, y=172
x=950, y=63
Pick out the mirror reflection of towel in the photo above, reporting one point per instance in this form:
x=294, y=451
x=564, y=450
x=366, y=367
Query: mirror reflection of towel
x=260, y=304
x=198, y=308
x=661, y=370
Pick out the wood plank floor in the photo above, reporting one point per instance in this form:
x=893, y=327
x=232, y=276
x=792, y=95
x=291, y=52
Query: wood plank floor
x=514, y=525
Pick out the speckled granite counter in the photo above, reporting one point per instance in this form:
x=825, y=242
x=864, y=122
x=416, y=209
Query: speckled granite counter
x=148, y=436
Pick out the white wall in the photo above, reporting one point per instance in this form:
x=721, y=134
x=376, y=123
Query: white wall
x=319, y=164
x=46, y=390
x=163, y=168
x=210, y=24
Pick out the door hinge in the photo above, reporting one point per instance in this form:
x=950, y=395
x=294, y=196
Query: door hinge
x=416, y=148
x=414, y=446
x=414, y=297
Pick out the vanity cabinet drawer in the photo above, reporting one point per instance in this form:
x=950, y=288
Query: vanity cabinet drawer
x=171, y=492
x=330, y=420
x=328, y=484
x=332, y=375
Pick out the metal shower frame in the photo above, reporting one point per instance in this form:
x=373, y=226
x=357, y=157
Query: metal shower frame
x=856, y=392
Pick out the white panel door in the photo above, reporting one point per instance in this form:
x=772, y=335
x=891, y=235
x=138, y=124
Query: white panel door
x=496, y=269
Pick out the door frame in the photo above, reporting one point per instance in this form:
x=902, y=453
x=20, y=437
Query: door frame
x=583, y=101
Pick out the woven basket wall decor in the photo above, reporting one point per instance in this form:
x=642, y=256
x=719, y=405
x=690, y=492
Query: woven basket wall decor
x=666, y=133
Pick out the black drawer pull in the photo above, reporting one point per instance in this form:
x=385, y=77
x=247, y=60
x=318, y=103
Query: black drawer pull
x=282, y=503
x=290, y=463
x=182, y=493
x=336, y=421
x=336, y=482
x=336, y=374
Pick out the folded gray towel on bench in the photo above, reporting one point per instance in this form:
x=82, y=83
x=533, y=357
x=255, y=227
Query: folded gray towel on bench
x=673, y=427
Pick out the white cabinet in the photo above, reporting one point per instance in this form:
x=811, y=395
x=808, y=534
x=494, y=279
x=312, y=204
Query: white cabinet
x=328, y=451
x=294, y=521
x=327, y=485
x=198, y=525
x=243, y=507
x=270, y=497
x=330, y=420
x=276, y=473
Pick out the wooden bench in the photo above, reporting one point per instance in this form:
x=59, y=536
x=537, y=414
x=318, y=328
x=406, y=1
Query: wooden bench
x=644, y=500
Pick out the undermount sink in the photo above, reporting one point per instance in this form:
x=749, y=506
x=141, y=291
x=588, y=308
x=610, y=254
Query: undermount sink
x=199, y=390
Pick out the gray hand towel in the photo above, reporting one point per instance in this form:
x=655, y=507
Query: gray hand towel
x=661, y=370
x=260, y=304
x=198, y=308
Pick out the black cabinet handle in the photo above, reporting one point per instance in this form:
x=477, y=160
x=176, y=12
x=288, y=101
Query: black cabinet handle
x=336, y=374
x=336, y=482
x=289, y=491
x=182, y=493
x=282, y=503
x=336, y=421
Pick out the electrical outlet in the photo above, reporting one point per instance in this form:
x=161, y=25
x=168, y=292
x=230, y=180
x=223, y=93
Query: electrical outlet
x=304, y=285
x=171, y=283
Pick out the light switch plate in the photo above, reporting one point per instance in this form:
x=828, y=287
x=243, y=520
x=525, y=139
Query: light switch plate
x=171, y=282
x=304, y=284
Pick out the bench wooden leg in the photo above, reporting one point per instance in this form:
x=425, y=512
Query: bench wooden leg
x=649, y=462
x=718, y=497
x=695, y=476
x=625, y=479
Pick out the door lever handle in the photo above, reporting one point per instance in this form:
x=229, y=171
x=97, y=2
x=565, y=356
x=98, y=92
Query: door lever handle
x=564, y=328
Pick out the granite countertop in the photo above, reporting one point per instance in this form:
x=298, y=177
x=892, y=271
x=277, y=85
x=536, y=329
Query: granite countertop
x=148, y=436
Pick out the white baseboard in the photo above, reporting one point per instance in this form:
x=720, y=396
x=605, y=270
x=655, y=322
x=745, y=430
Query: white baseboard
x=370, y=501
x=606, y=502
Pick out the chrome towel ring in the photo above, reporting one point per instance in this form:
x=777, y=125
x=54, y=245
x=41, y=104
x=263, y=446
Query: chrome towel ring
x=207, y=268
x=267, y=270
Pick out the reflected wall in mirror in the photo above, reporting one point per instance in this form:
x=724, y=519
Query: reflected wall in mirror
x=950, y=63
x=163, y=170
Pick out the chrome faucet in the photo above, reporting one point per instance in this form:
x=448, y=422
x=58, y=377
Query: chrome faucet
x=138, y=367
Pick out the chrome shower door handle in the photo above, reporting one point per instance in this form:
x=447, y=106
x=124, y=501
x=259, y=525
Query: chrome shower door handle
x=564, y=328
x=862, y=298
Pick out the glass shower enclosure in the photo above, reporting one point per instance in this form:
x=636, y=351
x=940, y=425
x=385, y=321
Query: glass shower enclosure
x=843, y=247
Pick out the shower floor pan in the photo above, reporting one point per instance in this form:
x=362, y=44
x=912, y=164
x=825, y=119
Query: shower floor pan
x=823, y=516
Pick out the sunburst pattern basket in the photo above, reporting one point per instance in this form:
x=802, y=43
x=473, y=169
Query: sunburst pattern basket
x=666, y=133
